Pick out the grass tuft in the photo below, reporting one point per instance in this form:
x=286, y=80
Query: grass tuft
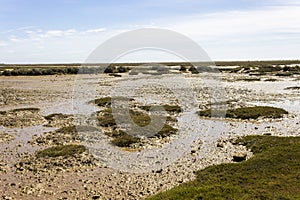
x=102, y=102
x=56, y=115
x=62, y=150
x=26, y=109
x=271, y=79
x=249, y=79
x=125, y=140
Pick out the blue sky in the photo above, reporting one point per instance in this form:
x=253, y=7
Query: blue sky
x=68, y=30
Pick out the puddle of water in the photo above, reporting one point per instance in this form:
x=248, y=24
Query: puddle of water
x=20, y=144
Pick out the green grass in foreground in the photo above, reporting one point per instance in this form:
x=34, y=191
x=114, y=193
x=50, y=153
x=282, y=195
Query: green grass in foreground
x=62, y=150
x=272, y=173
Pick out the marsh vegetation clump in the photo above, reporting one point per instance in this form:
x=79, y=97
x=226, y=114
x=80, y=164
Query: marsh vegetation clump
x=102, y=102
x=141, y=115
x=284, y=74
x=183, y=68
x=56, y=115
x=261, y=69
x=26, y=109
x=248, y=79
x=166, y=131
x=293, y=88
x=271, y=80
x=193, y=70
x=124, y=140
x=62, y=150
x=166, y=107
x=254, y=112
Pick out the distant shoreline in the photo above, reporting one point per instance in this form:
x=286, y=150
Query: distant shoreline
x=217, y=63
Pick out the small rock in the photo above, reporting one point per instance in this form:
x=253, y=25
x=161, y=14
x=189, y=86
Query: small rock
x=220, y=145
x=239, y=157
x=267, y=134
x=96, y=197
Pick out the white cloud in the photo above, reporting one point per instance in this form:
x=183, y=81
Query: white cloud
x=36, y=46
x=98, y=30
x=17, y=29
x=3, y=44
x=51, y=33
x=14, y=38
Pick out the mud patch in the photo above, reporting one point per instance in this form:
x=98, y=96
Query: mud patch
x=4, y=137
x=60, y=136
x=56, y=158
x=59, y=120
x=22, y=117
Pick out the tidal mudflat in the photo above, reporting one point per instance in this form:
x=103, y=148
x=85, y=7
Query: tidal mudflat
x=44, y=156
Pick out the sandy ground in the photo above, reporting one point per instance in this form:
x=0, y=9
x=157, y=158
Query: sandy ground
x=198, y=144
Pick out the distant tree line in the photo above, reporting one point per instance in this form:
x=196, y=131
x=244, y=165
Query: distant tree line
x=62, y=70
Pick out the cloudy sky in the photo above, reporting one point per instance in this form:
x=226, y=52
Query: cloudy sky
x=55, y=31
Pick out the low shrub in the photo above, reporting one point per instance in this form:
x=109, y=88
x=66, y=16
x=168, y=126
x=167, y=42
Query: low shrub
x=193, y=70
x=183, y=68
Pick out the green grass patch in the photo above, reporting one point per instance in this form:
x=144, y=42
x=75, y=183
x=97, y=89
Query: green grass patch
x=140, y=118
x=248, y=79
x=106, y=118
x=293, y=88
x=106, y=101
x=168, y=108
x=272, y=173
x=284, y=74
x=166, y=131
x=56, y=115
x=3, y=112
x=102, y=102
x=271, y=79
x=125, y=140
x=62, y=150
x=26, y=109
x=246, y=113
